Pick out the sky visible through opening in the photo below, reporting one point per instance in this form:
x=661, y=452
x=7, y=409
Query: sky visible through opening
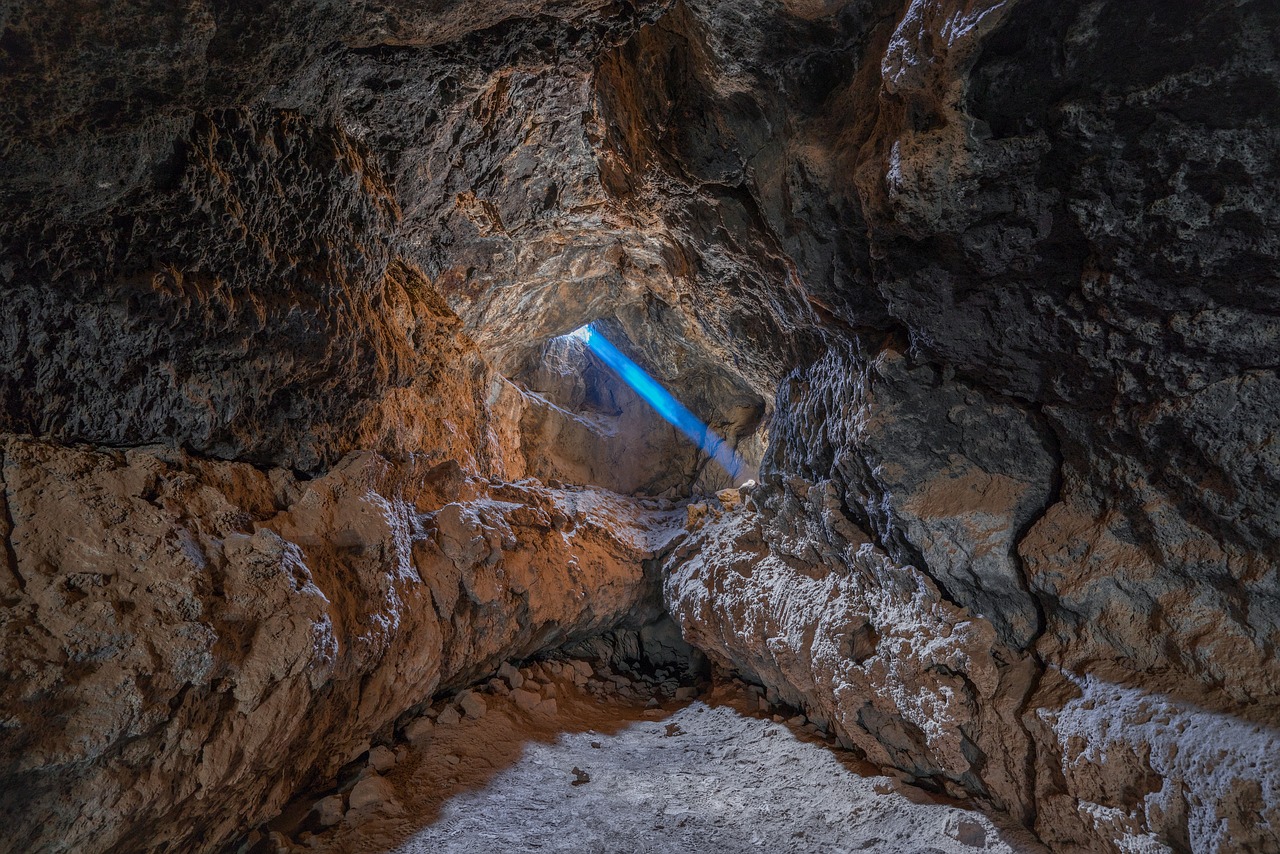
x=675, y=412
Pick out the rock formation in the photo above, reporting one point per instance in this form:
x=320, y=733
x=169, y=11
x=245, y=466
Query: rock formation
x=985, y=292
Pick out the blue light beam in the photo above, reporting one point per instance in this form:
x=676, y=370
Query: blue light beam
x=675, y=412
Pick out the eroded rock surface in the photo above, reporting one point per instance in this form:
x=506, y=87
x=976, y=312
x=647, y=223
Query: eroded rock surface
x=188, y=641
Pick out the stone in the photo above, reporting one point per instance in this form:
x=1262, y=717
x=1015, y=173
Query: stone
x=966, y=831
x=547, y=707
x=418, y=731
x=472, y=704
x=329, y=810
x=526, y=700
x=685, y=693
x=511, y=675
x=372, y=791
x=448, y=717
x=382, y=759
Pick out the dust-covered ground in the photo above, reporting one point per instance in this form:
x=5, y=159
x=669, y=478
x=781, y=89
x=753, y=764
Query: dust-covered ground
x=563, y=764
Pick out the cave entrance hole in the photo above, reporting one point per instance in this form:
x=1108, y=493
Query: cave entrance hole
x=715, y=446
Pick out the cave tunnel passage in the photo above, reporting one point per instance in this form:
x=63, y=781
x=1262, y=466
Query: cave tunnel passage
x=662, y=401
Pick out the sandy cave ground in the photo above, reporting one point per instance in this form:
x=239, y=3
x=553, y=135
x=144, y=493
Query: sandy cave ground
x=717, y=774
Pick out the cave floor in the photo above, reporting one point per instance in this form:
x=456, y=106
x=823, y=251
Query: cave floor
x=708, y=775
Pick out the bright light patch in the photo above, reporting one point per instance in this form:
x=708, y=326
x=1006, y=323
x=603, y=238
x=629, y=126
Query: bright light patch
x=661, y=400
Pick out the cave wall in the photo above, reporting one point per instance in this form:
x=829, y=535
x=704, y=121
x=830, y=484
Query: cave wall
x=996, y=281
x=1047, y=411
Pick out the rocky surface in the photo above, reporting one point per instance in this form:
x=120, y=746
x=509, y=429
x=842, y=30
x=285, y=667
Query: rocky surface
x=994, y=281
x=189, y=641
x=612, y=759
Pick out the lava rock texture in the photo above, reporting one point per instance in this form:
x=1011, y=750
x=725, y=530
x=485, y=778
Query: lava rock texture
x=995, y=282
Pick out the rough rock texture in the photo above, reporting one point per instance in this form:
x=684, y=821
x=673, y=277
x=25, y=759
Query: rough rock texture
x=997, y=278
x=1058, y=425
x=189, y=641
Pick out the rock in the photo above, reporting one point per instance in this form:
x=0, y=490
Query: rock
x=358, y=750
x=966, y=831
x=653, y=703
x=372, y=791
x=546, y=707
x=582, y=672
x=579, y=777
x=526, y=700
x=418, y=731
x=329, y=811
x=511, y=675
x=448, y=717
x=472, y=704
x=685, y=693
x=797, y=721
x=382, y=759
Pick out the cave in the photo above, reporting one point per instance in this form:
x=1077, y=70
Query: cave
x=328, y=526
